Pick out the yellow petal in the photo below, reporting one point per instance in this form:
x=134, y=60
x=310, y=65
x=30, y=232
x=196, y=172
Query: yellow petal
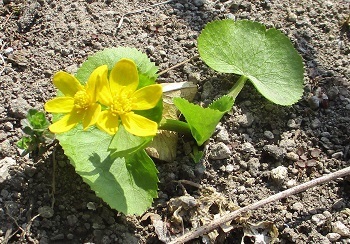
x=96, y=77
x=147, y=97
x=60, y=105
x=66, y=83
x=103, y=92
x=91, y=115
x=139, y=125
x=66, y=123
x=124, y=77
x=108, y=122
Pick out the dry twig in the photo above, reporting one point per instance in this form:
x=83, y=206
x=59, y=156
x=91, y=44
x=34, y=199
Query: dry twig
x=229, y=217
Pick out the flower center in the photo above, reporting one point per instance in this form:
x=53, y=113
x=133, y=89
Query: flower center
x=122, y=103
x=81, y=100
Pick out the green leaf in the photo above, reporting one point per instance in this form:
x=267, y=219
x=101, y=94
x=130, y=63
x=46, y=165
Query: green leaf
x=37, y=119
x=24, y=142
x=266, y=57
x=202, y=121
x=126, y=184
x=109, y=56
x=223, y=104
x=124, y=144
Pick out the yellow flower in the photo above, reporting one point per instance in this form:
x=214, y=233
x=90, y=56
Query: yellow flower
x=122, y=98
x=79, y=102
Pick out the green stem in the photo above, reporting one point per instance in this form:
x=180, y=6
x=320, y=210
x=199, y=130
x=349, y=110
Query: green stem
x=238, y=87
x=175, y=125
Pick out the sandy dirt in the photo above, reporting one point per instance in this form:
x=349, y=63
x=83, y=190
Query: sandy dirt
x=256, y=138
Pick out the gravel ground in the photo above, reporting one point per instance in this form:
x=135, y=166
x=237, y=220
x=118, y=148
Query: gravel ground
x=258, y=149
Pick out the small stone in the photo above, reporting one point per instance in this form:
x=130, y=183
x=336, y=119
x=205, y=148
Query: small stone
x=293, y=124
x=316, y=123
x=269, y=135
x=292, y=156
x=292, y=17
x=72, y=220
x=246, y=120
x=223, y=136
x=229, y=168
x=247, y=147
x=194, y=77
x=198, y=3
x=318, y=219
x=8, y=126
x=333, y=236
x=5, y=164
x=70, y=236
x=341, y=229
x=291, y=183
x=253, y=166
x=46, y=212
x=274, y=151
x=279, y=174
x=220, y=151
x=288, y=144
x=19, y=107
x=314, y=102
x=298, y=206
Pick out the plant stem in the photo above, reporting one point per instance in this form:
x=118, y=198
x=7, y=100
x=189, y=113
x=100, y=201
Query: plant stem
x=238, y=87
x=175, y=125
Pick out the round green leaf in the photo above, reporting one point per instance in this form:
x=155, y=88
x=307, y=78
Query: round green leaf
x=266, y=57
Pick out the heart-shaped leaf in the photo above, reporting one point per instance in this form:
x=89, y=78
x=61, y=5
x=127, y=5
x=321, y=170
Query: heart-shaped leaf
x=266, y=57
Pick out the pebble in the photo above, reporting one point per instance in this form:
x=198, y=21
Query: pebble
x=219, y=151
x=333, y=236
x=279, y=174
x=314, y=102
x=19, y=108
x=288, y=144
x=247, y=147
x=269, y=135
x=198, y=3
x=223, y=136
x=318, y=219
x=293, y=124
x=292, y=17
x=229, y=168
x=253, y=166
x=292, y=156
x=5, y=164
x=72, y=220
x=341, y=229
x=274, y=151
x=291, y=183
x=246, y=120
x=298, y=206
x=315, y=123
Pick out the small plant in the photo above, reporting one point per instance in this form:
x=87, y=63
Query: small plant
x=107, y=115
x=35, y=126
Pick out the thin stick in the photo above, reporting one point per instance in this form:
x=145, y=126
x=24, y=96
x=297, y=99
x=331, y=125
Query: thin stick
x=177, y=65
x=229, y=217
x=139, y=11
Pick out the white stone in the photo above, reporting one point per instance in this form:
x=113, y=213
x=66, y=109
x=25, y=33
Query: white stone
x=279, y=174
x=340, y=228
x=4, y=167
